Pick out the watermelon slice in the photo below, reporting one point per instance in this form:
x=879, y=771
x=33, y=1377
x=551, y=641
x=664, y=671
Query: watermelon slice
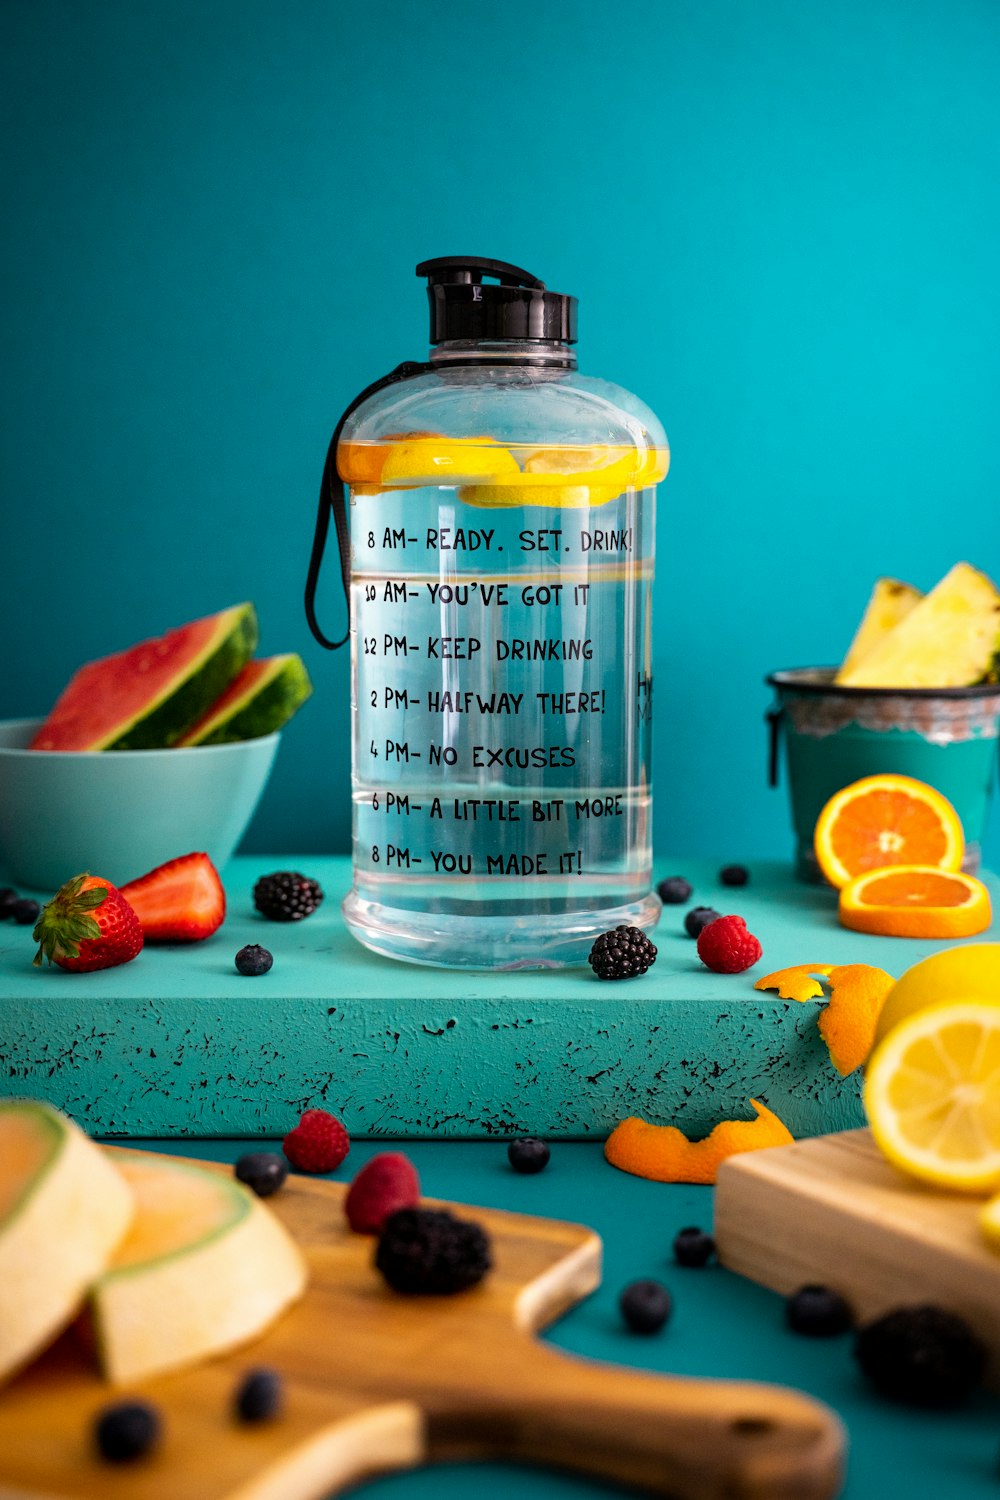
x=146, y=697
x=263, y=697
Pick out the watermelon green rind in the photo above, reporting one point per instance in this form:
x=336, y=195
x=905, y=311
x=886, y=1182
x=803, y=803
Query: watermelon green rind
x=146, y=697
x=260, y=701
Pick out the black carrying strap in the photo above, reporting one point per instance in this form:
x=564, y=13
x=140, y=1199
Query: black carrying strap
x=332, y=498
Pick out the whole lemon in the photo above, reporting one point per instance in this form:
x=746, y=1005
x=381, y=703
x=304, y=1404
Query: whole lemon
x=971, y=972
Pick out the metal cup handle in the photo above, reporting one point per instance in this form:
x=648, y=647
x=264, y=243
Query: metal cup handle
x=774, y=716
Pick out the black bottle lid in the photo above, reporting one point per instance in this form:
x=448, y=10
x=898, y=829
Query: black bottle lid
x=516, y=306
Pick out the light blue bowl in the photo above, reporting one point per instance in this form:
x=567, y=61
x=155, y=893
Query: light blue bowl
x=119, y=813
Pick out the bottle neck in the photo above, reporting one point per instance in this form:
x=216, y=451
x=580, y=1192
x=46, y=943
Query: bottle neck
x=538, y=352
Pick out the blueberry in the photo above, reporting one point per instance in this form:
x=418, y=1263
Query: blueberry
x=674, y=891
x=817, y=1312
x=8, y=896
x=258, y=1396
x=693, y=1247
x=253, y=959
x=263, y=1171
x=734, y=875
x=25, y=911
x=645, y=1306
x=528, y=1155
x=699, y=917
x=127, y=1431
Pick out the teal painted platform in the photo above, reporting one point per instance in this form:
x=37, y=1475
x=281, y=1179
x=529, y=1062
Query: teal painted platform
x=177, y=1043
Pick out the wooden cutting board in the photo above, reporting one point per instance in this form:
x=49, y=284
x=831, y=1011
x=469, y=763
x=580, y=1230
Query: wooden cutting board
x=376, y=1381
x=833, y=1210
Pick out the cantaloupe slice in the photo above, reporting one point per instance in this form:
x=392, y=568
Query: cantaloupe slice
x=890, y=602
x=205, y=1267
x=63, y=1209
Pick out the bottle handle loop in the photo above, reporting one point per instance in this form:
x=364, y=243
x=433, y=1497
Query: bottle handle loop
x=333, y=499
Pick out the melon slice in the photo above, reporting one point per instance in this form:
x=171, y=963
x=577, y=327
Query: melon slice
x=890, y=602
x=146, y=697
x=63, y=1209
x=260, y=700
x=205, y=1267
x=950, y=639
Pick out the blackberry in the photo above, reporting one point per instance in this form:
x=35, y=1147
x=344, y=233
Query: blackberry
x=8, y=896
x=263, y=1171
x=734, y=875
x=253, y=960
x=818, y=1312
x=429, y=1250
x=528, y=1155
x=622, y=953
x=921, y=1356
x=127, y=1431
x=645, y=1306
x=25, y=911
x=674, y=891
x=699, y=917
x=286, y=896
x=693, y=1247
x=259, y=1396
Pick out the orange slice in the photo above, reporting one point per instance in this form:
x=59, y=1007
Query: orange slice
x=886, y=820
x=919, y=901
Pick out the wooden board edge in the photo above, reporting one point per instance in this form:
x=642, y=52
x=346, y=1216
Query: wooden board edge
x=384, y=1438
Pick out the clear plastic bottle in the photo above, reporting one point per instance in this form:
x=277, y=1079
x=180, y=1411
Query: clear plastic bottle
x=502, y=548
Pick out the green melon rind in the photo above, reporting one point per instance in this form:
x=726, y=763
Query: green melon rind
x=57, y=1144
x=270, y=703
x=164, y=722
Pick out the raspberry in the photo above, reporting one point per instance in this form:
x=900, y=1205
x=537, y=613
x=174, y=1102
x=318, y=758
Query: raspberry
x=318, y=1143
x=386, y=1183
x=726, y=947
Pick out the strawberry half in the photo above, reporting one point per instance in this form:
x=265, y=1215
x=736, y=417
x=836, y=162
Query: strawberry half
x=179, y=902
x=87, y=925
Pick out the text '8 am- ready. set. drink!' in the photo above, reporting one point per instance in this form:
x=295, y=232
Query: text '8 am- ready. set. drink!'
x=501, y=549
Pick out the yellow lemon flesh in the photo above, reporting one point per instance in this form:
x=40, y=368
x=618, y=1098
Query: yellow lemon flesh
x=971, y=972
x=932, y=1095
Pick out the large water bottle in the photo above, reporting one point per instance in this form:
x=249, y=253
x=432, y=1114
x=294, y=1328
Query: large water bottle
x=499, y=567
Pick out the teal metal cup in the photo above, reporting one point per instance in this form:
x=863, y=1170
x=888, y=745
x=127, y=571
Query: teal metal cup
x=834, y=735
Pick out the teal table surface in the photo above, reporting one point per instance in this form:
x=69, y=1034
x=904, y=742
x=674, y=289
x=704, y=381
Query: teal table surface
x=178, y=1043
x=721, y=1325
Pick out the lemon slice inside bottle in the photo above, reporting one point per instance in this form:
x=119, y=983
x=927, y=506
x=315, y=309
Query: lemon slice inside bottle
x=448, y=461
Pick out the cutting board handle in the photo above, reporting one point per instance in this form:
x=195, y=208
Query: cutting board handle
x=687, y=1439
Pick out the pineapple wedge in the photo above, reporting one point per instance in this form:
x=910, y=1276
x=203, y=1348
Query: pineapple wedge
x=950, y=639
x=890, y=602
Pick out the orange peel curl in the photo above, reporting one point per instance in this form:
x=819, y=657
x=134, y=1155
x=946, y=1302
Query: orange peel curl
x=662, y=1153
x=847, y=1023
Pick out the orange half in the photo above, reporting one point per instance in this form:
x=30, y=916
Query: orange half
x=886, y=820
x=920, y=901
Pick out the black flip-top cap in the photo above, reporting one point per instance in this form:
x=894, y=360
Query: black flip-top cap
x=513, y=304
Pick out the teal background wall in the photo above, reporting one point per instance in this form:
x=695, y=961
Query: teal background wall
x=782, y=220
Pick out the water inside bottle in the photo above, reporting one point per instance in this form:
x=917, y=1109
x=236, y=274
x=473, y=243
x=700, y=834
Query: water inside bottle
x=503, y=699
